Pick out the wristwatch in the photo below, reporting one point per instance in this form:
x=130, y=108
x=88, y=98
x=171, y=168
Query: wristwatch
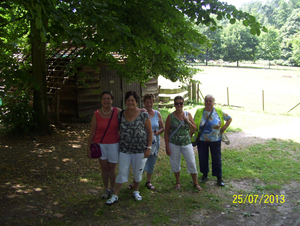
x=149, y=147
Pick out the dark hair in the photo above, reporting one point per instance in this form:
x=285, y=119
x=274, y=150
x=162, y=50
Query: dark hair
x=149, y=97
x=178, y=98
x=107, y=92
x=132, y=93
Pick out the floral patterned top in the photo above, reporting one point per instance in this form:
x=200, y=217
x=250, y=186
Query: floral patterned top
x=133, y=135
x=211, y=132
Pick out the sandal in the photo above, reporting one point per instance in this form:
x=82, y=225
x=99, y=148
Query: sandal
x=136, y=195
x=112, y=200
x=149, y=185
x=198, y=187
x=106, y=194
x=130, y=186
x=177, y=186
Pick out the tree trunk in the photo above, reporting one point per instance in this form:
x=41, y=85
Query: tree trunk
x=40, y=101
x=237, y=63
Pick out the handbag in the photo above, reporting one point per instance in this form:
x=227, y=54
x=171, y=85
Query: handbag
x=194, y=143
x=95, y=148
x=225, y=139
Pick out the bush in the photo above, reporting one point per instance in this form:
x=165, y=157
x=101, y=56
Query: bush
x=17, y=114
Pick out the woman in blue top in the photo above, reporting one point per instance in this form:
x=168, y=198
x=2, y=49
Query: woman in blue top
x=210, y=137
x=157, y=128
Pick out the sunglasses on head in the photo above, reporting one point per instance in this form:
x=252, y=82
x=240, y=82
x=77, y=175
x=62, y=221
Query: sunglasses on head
x=178, y=103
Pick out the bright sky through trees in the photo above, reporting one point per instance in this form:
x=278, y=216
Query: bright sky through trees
x=237, y=3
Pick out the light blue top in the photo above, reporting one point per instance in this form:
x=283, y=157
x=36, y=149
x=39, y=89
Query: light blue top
x=211, y=132
x=155, y=126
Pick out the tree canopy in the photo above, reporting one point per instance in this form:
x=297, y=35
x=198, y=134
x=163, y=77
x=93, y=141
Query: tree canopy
x=149, y=36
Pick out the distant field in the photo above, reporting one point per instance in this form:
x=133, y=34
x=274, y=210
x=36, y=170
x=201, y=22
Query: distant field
x=281, y=87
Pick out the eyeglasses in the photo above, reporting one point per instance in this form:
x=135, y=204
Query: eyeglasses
x=209, y=101
x=178, y=103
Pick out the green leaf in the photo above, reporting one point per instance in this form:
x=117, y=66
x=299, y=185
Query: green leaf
x=228, y=16
x=253, y=31
x=89, y=44
x=258, y=32
x=264, y=29
x=245, y=23
x=213, y=28
x=219, y=17
x=232, y=21
x=76, y=40
x=252, y=19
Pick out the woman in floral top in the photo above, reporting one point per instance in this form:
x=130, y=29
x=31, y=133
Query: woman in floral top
x=179, y=125
x=135, y=145
x=210, y=138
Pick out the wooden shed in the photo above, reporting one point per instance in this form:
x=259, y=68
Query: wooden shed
x=76, y=97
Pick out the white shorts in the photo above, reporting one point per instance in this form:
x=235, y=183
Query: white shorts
x=188, y=154
x=125, y=161
x=110, y=152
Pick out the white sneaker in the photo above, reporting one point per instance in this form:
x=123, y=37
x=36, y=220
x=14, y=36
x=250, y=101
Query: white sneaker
x=136, y=195
x=106, y=194
x=112, y=200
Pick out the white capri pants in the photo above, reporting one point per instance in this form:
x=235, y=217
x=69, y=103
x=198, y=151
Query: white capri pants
x=125, y=161
x=188, y=154
x=110, y=152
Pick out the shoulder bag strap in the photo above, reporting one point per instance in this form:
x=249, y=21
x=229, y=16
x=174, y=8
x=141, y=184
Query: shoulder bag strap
x=108, y=124
x=177, y=127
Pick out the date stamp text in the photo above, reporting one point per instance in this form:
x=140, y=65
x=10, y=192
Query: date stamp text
x=258, y=199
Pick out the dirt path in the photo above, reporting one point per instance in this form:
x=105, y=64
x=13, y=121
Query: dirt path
x=36, y=174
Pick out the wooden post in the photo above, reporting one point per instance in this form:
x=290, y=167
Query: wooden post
x=263, y=100
x=194, y=90
x=227, y=96
x=190, y=91
x=293, y=107
x=198, y=94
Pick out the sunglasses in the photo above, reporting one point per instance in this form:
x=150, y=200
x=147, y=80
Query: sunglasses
x=178, y=103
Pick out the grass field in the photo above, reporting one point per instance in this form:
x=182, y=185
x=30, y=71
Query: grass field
x=246, y=85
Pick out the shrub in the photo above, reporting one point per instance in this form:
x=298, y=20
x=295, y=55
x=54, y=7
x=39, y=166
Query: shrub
x=17, y=114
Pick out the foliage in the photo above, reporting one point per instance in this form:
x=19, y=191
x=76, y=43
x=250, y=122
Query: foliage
x=149, y=36
x=238, y=44
x=269, y=45
x=296, y=49
x=16, y=113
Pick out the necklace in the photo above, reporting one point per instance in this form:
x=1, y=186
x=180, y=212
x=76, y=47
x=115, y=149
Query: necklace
x=105, y=112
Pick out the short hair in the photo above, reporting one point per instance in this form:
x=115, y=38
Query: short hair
x=149, y=97
x=132, y=93
x=107, y=92
x=209, y=96
x=178, y=98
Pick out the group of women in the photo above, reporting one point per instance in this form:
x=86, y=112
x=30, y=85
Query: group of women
x=131, y=137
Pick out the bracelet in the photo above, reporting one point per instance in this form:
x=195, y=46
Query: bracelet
x=149, y=147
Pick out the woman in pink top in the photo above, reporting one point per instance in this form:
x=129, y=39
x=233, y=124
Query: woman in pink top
x=110, y=144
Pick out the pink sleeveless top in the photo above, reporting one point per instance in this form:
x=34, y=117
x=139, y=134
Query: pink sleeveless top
x=112, y=134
